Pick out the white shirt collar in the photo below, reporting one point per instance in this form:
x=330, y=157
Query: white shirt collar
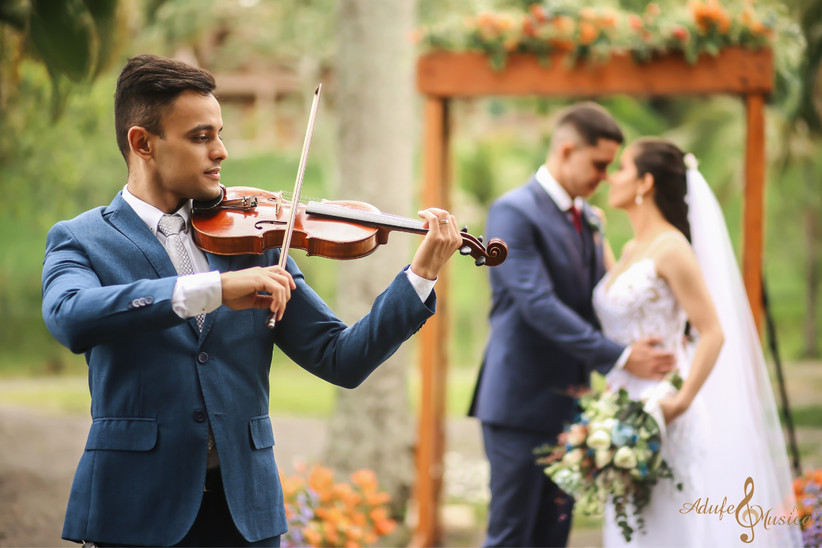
x=150, y=214
x=556, y=191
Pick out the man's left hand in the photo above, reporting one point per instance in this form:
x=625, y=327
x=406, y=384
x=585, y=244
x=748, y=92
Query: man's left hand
x=442, y=240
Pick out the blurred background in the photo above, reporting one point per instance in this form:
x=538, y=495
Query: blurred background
x=59, y=61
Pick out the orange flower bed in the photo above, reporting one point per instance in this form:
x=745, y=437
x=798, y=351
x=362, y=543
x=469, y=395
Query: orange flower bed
x=323, y=512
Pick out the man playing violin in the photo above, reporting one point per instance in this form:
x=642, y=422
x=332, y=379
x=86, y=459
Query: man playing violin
x=176, y=340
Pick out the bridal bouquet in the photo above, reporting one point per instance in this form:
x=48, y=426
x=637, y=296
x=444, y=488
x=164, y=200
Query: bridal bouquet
x=612, y=452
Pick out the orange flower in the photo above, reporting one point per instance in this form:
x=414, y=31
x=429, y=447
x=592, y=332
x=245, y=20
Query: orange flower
x=330, y=533
x=538, y=11
x=320, y=478
x=364, y=478
x=312, y=536
x=564, y=24
x=587, y=32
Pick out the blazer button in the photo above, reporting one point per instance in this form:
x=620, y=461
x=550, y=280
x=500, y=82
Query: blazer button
x=202, y=357
x=200, y=415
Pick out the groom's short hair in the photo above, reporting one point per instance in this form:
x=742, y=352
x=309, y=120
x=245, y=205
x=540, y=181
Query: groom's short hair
x=591, y=122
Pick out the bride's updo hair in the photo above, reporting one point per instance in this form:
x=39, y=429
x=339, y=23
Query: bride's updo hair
x=666, y=163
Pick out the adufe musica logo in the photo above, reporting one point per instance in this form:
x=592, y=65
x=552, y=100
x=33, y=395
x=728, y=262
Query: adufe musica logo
x=748, y=515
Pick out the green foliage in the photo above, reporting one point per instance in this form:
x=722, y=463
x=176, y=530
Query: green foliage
x=74, y=39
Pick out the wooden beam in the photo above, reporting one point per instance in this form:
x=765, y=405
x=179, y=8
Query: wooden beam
x=734, y=70
x=754, y=215
x=434, y=337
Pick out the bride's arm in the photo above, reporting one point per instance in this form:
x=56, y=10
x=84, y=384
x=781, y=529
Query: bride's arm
x=677, y=264
x=608, y=257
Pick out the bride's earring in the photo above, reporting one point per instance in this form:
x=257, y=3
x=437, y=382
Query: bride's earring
x=638, y=199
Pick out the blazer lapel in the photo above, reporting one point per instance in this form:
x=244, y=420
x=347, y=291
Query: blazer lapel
x=125, y=220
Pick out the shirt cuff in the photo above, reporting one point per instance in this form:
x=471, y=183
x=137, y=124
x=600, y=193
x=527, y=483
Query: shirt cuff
x=423, y=286
x=623, y=359
x=197, y=294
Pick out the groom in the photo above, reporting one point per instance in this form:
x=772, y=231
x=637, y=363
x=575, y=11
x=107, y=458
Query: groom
x=545, y=338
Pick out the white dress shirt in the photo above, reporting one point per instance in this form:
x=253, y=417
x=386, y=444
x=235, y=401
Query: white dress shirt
x=201, y=292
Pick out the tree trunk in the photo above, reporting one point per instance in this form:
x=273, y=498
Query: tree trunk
x=374, y=95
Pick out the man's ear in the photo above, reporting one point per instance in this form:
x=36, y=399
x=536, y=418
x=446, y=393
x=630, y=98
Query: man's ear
x=565, y=150
x=139, y=142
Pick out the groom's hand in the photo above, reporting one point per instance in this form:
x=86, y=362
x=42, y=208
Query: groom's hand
x=648, y=361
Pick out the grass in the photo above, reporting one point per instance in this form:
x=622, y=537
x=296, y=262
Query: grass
x=293, y=392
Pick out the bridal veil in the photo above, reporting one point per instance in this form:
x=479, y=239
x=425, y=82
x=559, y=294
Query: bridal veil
x=745, y=439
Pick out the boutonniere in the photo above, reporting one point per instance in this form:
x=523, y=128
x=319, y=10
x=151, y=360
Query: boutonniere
x=595, y=224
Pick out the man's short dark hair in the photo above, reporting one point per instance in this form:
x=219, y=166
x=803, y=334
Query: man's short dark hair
x=592, y=122
x=148, y=85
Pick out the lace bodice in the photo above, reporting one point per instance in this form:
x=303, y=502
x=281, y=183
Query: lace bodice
x=635, y=305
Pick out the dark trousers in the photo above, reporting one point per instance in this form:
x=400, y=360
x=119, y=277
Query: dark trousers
x=214, y=525
x=527, y=509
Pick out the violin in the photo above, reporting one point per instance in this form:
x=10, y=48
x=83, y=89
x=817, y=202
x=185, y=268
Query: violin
x=248, y=220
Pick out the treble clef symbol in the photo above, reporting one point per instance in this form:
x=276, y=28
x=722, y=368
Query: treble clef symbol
x=750, y=514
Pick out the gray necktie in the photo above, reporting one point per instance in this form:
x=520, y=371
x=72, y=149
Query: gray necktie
x=171, y=226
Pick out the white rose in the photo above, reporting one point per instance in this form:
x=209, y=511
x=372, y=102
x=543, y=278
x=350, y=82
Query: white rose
x=600, y=439
x=625, y=458
x=573, y=457
x=602, y=458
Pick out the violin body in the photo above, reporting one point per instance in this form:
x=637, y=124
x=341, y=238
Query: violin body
x=253, y=230
x=250, y=221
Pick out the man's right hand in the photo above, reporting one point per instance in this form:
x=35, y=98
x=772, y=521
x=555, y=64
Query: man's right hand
x=648, y=361
x=258, y=287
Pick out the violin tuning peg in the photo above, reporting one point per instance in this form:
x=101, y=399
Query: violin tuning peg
x=464, y=229
x=480, y=260
x=465, y=250
x=479, y=238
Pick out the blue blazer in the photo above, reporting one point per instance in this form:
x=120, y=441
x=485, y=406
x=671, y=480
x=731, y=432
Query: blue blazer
x=544, y=336
x=156, y=382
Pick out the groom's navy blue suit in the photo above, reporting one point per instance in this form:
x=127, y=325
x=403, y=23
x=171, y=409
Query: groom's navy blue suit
x=157, y=382
x=544, y=340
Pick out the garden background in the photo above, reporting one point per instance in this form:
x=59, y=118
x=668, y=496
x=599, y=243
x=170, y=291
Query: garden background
x=58, y=158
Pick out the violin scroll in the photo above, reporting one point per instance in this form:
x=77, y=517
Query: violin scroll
x=492, y=255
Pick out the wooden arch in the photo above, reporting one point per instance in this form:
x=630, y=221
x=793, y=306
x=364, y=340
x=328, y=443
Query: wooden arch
x=443, y=76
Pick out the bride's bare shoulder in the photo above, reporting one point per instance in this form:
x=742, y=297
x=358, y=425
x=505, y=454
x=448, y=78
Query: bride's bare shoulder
x=673, y=253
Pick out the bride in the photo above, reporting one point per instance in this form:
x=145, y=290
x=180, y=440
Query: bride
x=678, y=279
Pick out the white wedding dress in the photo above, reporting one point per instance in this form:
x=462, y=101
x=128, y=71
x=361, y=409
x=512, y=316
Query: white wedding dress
x=729, y=433
x=636, y=305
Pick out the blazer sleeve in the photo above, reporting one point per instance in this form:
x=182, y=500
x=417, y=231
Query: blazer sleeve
x=81, y=312
x=313, y=337
x=525, y=279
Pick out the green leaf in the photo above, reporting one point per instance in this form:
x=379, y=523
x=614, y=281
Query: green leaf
x=104, y=15
x=598, y=382
x=63, y=34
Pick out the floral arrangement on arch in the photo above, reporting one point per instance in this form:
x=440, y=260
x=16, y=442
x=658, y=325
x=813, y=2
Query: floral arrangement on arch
x=595, y=33
x=612, y=452
x=808, y=491
x=323, y=512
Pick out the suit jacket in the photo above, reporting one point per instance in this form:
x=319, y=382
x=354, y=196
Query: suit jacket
x=156, y=382
x=544, y=336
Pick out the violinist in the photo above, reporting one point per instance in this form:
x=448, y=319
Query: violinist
x=176, y=340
